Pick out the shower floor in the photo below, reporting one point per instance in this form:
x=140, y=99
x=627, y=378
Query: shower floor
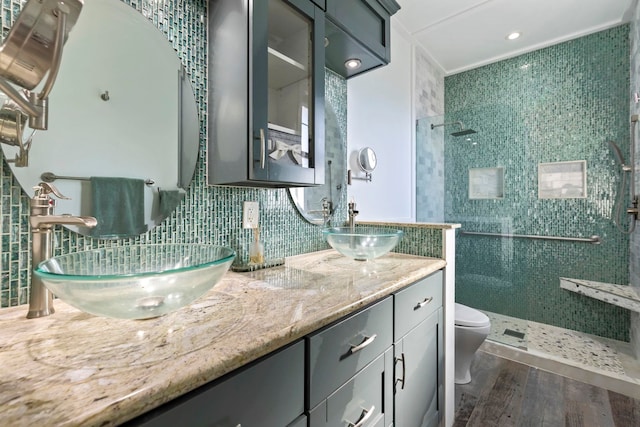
x=595, y=360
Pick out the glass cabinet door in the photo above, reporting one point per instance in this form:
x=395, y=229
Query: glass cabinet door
x=285, y=85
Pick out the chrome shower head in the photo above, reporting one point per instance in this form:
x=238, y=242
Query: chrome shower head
x=461, y=132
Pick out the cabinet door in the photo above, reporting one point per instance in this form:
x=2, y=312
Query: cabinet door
x=418, y=374
x=269, y=393
x=288, y=92
x=367, y=21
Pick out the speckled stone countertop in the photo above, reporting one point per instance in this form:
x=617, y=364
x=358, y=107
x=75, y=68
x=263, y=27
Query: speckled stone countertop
x=72, y=368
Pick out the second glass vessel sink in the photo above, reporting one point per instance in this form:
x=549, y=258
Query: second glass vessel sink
x=138, y=281
x=362, y=243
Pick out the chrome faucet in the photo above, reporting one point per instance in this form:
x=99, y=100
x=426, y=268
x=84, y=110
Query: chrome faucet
x=327, y=211
x=352, y=216
x=42, y=221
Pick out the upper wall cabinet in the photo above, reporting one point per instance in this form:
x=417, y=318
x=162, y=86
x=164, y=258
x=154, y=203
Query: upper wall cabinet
x=266, y=93
x=358, y=33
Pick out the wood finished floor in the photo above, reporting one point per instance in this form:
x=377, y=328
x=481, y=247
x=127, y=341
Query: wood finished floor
x=507, y=393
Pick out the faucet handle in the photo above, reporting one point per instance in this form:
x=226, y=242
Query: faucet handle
x=43, y=190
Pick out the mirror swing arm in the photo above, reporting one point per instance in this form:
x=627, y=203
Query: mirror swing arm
x=31, y=104
x=367, y=177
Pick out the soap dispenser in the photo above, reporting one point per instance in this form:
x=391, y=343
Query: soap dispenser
x=256, y=250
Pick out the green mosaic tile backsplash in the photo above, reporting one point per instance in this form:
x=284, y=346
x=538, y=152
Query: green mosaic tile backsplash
x=561, y=103
x=208, y=214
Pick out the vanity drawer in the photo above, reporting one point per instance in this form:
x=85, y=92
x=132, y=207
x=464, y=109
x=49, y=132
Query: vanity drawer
x=338, y=352
x=269, y=392
x=415, y=303
x=366, y=395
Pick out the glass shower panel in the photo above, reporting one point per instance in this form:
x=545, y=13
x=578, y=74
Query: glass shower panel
x=520, y=277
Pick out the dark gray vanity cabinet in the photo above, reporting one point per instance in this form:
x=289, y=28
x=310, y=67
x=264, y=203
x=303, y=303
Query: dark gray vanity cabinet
x=269, y=392
x=378, y=367
x=358, y=29
x=418, y=348
x=350, y=370
x=266, y=95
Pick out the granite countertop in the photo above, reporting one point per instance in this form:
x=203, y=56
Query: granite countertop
x=73, y=368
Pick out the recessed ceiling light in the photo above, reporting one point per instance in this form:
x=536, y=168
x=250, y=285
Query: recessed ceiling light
x=353, y=63
x=513, y=35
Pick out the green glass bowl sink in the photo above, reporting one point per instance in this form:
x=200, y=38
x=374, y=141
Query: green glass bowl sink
x=138, y=281
x=363, y=243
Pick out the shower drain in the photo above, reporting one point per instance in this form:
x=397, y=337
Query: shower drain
x=513, y=333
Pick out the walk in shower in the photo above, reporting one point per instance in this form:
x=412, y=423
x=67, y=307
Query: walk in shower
x=538, y=165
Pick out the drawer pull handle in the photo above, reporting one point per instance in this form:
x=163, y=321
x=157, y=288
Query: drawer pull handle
x=263, y=148
x=367, y=341
x=364, y=417
x=404, y=372
x=423, y=303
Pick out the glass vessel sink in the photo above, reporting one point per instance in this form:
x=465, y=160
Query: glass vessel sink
x=135, y=282
x=362, y=243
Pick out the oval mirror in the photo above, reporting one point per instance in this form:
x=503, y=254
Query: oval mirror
x=367, y=159
x=123, y=123
x=317, y=204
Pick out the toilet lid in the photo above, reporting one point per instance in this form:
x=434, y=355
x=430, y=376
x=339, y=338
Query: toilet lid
x=467, y=316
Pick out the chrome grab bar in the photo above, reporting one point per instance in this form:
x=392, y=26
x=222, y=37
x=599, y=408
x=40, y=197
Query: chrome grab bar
x=595, y=239
x=50, y=177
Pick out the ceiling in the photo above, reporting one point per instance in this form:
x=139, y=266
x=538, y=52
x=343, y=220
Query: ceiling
x=464, y=34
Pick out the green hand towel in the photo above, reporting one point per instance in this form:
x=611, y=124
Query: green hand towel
x=168, y=200
x=118, y=205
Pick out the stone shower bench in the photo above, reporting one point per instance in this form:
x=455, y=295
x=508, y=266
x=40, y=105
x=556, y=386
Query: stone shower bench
x=621, y=295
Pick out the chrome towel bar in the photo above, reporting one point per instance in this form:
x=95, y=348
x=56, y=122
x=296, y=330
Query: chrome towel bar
x=50, y=177
x=596, y=240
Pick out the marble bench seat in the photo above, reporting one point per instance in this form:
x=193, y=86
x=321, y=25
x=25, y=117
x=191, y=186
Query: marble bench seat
x=621, y=295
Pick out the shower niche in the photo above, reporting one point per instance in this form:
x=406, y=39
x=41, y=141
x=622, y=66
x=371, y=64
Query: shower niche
x=486, y=183
x=562, y=180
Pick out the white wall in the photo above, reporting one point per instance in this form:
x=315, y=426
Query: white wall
x=380, y=116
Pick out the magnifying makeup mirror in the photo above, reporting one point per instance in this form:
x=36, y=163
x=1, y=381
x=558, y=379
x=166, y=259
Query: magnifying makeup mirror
x=33, y=48
x=366, y=160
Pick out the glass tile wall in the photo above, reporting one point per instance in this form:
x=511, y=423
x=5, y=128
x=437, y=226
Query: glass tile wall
x=208, y=214
x=557, y=104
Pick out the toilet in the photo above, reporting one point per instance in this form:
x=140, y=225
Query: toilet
x=472, y=327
